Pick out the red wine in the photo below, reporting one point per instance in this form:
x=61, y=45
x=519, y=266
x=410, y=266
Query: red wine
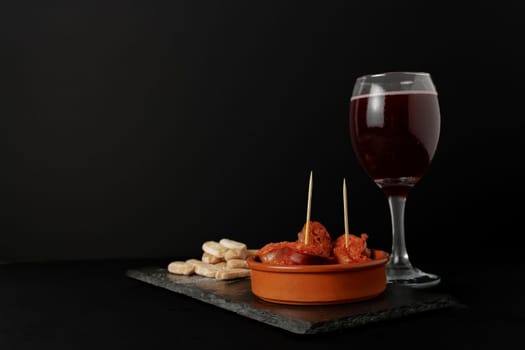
x=394, y=136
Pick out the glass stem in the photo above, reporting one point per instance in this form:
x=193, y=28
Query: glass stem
x=399, y=255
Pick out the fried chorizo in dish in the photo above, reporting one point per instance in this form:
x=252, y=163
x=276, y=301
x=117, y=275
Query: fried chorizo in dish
x=317, y=252
x=319, y=240
x=356, y=251
x=320, y=250
x=286, y=253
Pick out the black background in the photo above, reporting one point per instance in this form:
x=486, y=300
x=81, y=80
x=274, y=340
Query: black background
x=141, y=129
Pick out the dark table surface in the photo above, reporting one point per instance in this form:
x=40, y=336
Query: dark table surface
x=94, y=305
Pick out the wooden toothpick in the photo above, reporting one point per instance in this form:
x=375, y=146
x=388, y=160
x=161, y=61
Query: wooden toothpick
x=308, y=209
x=345, y=205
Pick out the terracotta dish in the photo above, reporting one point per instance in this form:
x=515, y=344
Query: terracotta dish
x=319, y=284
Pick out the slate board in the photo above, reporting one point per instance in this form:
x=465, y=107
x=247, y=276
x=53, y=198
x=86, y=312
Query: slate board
x=236, y=296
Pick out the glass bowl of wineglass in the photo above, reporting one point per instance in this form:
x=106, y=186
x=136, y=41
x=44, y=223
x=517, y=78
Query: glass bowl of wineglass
x=394, y=128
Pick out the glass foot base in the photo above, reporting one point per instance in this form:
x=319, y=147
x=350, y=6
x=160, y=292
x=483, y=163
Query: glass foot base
x=411, y=276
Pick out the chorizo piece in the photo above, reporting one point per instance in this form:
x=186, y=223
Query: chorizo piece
x=317, y=251
x=356, y=251
x=319, y=240
x=287, y=253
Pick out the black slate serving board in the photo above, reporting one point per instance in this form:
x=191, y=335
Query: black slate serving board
x=236, y=296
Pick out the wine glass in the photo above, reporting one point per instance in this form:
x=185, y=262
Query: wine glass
x=394, y=128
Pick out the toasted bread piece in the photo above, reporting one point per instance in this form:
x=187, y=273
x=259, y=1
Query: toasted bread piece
x=231, y=244
x=236, y=264
x=220, y=265
x=214, y=248
x=235, y=254
x=181, y=268
x=211, y=259
x=207, y=270
x=232, y=274
x=251, y=252
x=194, y=261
